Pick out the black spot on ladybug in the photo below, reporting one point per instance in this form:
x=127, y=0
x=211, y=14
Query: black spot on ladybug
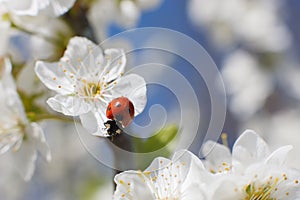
x=109, y=108
x=118, y=117
x=129, y=110
x=118, y=104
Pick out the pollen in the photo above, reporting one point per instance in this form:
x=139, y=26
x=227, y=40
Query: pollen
x=91, y=89
x=262, y=192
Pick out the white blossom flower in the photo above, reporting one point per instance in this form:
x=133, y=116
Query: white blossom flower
x=250, y=83
x=176, y=179
x=14, y=26
x=284, y=126
x=256, y=24
x=252, y=172
x=124, y=12
x=35, y=7
x=23, y=138
x=242, y=74
x=87, y=79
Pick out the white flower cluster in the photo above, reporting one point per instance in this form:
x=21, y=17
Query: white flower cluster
x=17, y=133
x=34, y=35
x=257, y=46
x=250, y=172
x=237, y=21
x=123, y=12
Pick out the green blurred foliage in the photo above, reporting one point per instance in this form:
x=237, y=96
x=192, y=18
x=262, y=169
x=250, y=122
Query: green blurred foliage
x=160, y=144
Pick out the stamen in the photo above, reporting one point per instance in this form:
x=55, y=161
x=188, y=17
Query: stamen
x=224, y=138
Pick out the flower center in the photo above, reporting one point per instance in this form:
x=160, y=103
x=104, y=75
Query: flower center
x=266, y=191
x=92, y=89
x=263, y=192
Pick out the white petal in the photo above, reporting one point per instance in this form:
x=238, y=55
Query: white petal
x=11, y=98
x=93, y=122
x=39, y=139
x=225, y=190
x=48, y=50
x=249, y=148
x=158, y=163
x=58, y=7
x=130, y=13
x=191, y=171
x=10, y=140
x=79, y=53
x=134, y=88
x=24, y=159
x=115, y=64
x=99, y=15
x=22, y=7
x=216, y=154
x=190, y=162
x=193, y=192
x=279, y=156
x=133, y=185
x=53, y=77
x=33, y=7
x=69, y=105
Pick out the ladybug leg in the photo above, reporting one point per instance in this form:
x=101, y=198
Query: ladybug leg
x=111, y=138
x=119, y=131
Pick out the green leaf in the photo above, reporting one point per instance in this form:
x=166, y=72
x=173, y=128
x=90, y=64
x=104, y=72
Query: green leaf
x=89, y=188
x=159, y=140
x=157, y=144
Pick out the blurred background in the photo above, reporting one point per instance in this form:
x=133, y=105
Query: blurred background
x=255, y=45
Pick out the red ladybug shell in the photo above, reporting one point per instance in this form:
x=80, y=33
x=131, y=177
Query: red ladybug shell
x=120, y=109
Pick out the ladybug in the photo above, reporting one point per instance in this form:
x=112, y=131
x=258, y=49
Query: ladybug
x=121, y=110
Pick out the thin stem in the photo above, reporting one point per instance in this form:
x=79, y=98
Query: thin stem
x=124, y=142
